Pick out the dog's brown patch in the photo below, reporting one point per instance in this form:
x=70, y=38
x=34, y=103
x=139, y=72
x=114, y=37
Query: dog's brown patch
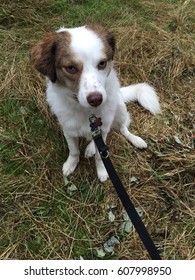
x=65, y=58
x=42, y=56
x=52, y=55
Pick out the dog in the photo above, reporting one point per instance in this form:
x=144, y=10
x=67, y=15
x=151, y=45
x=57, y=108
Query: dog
x=81, y=80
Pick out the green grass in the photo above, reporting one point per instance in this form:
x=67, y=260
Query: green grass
x=40, y=218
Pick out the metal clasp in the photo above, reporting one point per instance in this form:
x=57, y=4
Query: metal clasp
x=95, y=124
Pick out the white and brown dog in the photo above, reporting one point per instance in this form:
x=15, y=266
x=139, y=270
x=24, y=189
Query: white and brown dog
x=81, y=80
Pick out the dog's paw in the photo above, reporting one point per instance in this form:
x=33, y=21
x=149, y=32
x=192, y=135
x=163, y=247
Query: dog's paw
x=137, y=141
x=103, y=176
x=90, y=150
x=101, y=171
x=70, y=165
x=140, y=143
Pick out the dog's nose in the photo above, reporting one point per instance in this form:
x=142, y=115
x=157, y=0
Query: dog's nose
x=95, y=99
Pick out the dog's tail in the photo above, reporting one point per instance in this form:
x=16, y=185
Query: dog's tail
x=144, y=94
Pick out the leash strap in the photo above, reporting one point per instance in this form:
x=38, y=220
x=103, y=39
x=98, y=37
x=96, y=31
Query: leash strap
x=95, y=124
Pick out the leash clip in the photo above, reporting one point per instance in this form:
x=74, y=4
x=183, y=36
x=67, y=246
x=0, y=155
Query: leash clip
x=95, y=124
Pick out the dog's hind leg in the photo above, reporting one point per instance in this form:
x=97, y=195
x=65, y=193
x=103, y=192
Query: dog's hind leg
x=137, y=141
x=121, y=123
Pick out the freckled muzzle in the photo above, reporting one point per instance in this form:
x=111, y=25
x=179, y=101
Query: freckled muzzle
x=94, y=99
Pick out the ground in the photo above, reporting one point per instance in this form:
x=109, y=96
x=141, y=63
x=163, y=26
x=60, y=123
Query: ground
x=46, y=216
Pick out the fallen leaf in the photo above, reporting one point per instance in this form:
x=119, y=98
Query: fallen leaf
x=139, y=211
x=100, y=253
x=71, y=188
x=133, y=180
x=177, y=140
x=109, y=245
x=127, y=225
x=111, y=216
x=23, y=110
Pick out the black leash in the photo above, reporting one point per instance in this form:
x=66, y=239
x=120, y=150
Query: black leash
x=95, y=124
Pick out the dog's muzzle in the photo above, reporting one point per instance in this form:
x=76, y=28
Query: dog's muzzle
x=94, y=99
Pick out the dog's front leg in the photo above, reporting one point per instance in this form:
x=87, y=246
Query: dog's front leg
x=101, y=170
x=73, y=158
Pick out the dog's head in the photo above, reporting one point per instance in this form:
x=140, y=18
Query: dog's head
x=79, y=59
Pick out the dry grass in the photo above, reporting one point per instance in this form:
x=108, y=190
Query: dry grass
x=39, y=219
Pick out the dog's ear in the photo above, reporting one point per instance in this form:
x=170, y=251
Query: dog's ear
x=111, y=41
x=42, y=56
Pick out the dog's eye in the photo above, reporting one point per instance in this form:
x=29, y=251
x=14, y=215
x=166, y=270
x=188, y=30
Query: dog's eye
x=102, y=65
x=71, y=69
